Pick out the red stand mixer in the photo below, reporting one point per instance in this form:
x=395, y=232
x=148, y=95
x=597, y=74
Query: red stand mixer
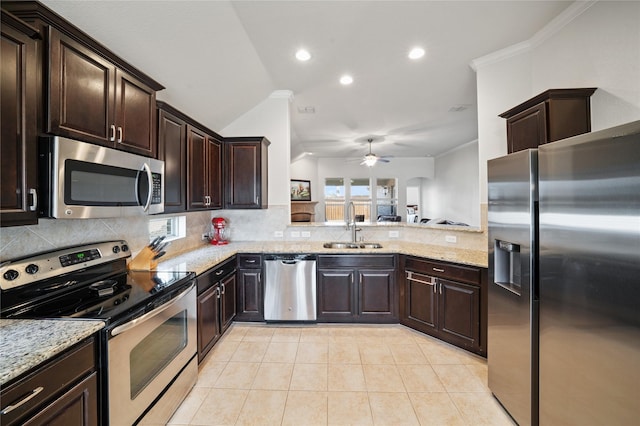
x=219, y=235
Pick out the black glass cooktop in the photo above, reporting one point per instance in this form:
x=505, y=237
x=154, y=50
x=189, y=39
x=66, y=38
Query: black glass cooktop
x=93, y=295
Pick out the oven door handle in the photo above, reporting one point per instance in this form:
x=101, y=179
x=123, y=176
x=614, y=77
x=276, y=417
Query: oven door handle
x=146, y=317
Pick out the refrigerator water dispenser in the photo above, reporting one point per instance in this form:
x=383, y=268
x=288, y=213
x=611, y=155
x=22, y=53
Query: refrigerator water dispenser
x=507, y=266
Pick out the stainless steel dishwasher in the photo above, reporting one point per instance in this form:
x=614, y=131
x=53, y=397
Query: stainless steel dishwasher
x=290, y=287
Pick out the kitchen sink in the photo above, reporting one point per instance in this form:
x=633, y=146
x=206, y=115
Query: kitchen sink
x=342, y=245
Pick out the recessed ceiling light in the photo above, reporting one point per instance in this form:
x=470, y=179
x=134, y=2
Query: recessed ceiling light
x=303, y=55
x=346, y=80
x=416, y=53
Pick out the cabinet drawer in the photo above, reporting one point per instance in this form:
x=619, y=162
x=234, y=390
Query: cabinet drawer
x=356, y=261
x=461, y=273
x=215, y=274
x=249, y=261
x=47, y=382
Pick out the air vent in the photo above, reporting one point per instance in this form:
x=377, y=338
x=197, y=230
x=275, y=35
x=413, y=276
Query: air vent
x=459, y=108
x=307, y=110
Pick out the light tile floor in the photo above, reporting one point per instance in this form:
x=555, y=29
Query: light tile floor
x=338, y=375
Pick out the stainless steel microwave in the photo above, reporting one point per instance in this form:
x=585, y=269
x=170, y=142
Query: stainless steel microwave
x=82, y=180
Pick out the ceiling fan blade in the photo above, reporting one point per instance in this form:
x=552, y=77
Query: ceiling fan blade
x=383, y=160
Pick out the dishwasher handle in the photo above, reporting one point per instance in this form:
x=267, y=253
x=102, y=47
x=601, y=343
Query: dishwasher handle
x=289, y=262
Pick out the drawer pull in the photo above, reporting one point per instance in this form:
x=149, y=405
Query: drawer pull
x=420, y=281
x=250, y=261
x=438, y=269
x=24, y=400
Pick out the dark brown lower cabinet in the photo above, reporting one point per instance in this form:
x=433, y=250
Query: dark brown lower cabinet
x=445, y=300
x=359, y=288
x=250, y=290
x=216, y=304
x=61, y=392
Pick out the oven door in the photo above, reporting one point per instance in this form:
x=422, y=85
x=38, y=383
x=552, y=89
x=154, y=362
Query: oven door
x=146, y=354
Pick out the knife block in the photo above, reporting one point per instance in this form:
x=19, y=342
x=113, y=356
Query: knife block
x=143, y=261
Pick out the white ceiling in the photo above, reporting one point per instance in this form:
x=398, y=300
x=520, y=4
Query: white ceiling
x=218, y=59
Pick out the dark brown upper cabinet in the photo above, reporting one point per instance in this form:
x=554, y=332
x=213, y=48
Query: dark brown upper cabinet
x=18, y=126
x=550, y=116
x=88, y=92
x=204, y=170
x=91, y=99
x=246, y=170
x=172, y=149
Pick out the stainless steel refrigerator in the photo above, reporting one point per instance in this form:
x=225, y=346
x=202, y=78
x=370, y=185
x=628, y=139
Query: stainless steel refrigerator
x=564, y=287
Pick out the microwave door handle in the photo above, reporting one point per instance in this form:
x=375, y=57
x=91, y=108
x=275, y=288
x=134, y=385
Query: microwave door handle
x=147, y=169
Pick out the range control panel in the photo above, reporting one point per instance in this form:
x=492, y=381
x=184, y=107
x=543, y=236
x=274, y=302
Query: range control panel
x=26, y=270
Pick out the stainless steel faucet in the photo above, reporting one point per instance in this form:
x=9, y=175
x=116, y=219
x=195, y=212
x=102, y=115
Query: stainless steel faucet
x=351, y=222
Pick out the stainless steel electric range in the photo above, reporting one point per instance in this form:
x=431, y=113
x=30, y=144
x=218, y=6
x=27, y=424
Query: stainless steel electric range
x=147, y=359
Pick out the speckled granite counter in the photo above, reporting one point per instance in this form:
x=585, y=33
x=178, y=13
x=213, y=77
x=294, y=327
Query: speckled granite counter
x=26, y=343
x=201, y=259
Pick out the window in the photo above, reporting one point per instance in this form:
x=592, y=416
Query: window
x=172, y=228
x=371, y=206
x=361, y=197
x=334, y=198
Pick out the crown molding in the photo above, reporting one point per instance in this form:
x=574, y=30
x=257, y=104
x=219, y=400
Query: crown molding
x=574, y=10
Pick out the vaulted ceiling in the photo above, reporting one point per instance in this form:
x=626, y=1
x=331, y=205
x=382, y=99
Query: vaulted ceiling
x=218, y=59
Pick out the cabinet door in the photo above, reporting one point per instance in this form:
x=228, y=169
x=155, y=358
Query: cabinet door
x=244, y=175
x=250, y=297
x=214, y=170
x=135, y=115
x=196, y=169
x=421, y=303
x=18, y=143
x=336, y=295
x=81, y=92
x=527, y=129
x=78, y=406
x=228, y=301
x=376, y=301
x=208, y=320
x=459, y=313
x=172, y=149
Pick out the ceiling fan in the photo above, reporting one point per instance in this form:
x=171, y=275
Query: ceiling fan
x=371, y=159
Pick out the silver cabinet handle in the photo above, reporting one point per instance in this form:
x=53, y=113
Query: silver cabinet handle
x=112, y=132
x=438, y=269
x=435, y=287
x=24, y=400
x=222, y=285
x=218, y=292
x=34, y=199
x=136, y=322
x=220, y=272
x=250, y=261
x=440, y=288
x=120, y=134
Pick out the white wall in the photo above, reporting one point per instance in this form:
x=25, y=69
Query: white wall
x=588, y=45
x=453, y=193
x=306, y=168
x=270, y=118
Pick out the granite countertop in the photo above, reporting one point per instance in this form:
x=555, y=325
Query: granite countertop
x=25, y=343
x=201, y=259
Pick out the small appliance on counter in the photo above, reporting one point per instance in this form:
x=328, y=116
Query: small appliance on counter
x=220, y=234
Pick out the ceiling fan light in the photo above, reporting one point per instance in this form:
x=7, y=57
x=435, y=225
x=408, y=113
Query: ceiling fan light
x=370, y=160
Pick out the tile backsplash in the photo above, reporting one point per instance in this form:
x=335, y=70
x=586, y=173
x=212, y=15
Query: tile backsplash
x=244, y=225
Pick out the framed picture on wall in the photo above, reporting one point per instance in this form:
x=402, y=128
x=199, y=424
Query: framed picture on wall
x=300, y=190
